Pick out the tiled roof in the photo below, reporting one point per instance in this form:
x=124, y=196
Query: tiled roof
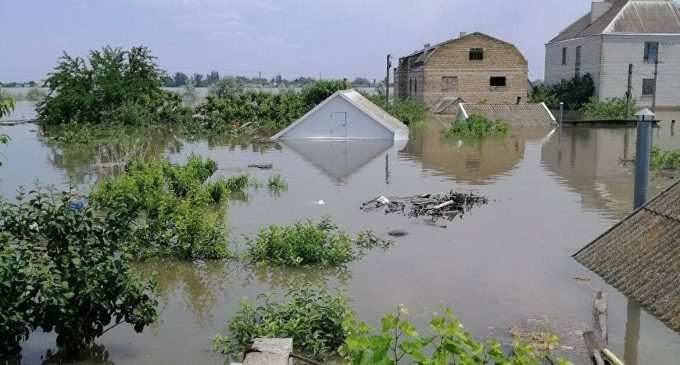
x=517, y=115
x=627, y=16
x=640, y=256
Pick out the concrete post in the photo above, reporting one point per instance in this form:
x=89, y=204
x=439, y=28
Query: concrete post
x=643, y=149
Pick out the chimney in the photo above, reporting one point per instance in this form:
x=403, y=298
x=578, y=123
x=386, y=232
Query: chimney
x=598, y=8
x=463, y=34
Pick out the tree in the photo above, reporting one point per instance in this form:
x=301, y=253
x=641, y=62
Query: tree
x=226, y=86
x=180, y=79
x=573, y=93
x=361, y=82
x=197, y=79
x=212, y=78
x=62, y=270
x=319, y=91
x=113, y=84
x=6, y=107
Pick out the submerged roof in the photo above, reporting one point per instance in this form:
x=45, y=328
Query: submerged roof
x=517, y=115
x=360, y=102
x=626, y=17
x=640, y=256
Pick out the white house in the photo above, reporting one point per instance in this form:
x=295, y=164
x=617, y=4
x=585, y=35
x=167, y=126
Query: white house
x=346, y=115
x=614, y=34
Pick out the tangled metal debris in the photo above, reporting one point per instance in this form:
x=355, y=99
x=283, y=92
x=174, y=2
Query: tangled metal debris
x=436, y=206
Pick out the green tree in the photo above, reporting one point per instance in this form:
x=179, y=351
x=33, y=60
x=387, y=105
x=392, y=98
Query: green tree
x=6, y=107
x=614, y=108
x=573, y=93
x=314, y=94
x=62, y=270
x=112, y=81
x=226, y=86
x=197, y=79
x=180, y=79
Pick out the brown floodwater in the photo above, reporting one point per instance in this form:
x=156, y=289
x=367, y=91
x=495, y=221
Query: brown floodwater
x=505, y=264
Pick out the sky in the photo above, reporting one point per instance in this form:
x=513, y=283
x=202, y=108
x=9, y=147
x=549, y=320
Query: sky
x=327, y=38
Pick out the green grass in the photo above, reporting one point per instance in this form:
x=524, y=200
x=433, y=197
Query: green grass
x=665, y=160
x=478, y=126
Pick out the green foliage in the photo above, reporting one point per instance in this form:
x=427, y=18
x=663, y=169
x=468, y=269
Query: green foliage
x=61, y=270
x=277, y=185
x=113, y=86
x=167, y=210
x=665, y=160
x=614, y=108
x=313, y=318
x=310, y=243
x=240, y=113
x=314, y=94
x=409, y=112
x=226, y=86
x=398, y=342
x=573, y=93
x=6, y=104
x=478, y=126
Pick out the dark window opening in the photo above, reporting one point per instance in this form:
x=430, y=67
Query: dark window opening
x=648, y=87
x=450, y=83
x=651, y=52
x=577, y=63
x=476, y=54
x=564, y=55
x=415, y=86
x=498, y=81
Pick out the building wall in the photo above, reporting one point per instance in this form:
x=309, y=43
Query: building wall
x=473, y=77
x=621, y=50
x=591, y=60
x=323, y=123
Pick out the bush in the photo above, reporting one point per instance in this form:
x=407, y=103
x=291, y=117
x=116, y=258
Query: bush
x=665, y=160
x=312, y=318
x=113, y=86
x=315, y=93
x=478, y=126
x=614, y=108
x=166, y=210
x=7, y=103
x=277, y=185
x=34, y=94
x=398, y=342
x=309, y=243
x=225, y=87
x=409, y=112
x=573, y=93
x=61, y=270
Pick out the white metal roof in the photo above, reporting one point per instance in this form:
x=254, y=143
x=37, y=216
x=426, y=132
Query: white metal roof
x=360, y=102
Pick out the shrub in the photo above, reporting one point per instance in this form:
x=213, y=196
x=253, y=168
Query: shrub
x=112, y=86
x=34, y=94
x=398, y=342
x=225, y=87
x=665, y=160
x=313, y=318
x=7, y=103
x=310, y=243
x=277, y=185
x=478, y=126
x=61, y=270
x=409, y=112
x=573, y=93
x=614, y=108
x=315, y=93
x=166, y=210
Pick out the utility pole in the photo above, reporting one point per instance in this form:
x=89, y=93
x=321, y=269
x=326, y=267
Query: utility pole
x=387, y=80
x=656, y=77
x=629, y=90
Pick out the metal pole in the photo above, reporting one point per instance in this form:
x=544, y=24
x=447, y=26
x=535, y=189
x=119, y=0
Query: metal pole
x=561, y=112
x=387, y=80
x=656, y=77
x=629, y=90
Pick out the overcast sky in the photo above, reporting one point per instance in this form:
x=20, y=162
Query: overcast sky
x=334, y=38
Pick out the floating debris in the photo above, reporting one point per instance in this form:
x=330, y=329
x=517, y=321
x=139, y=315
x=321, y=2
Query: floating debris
x=266, y=166
x=443, y=205
x=397, y=233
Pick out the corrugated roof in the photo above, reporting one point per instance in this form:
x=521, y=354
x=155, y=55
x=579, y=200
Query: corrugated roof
x=517, y=115
x=640, y=256
x=627, y=16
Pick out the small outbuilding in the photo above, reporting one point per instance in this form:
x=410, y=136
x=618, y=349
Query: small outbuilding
x=346, y=115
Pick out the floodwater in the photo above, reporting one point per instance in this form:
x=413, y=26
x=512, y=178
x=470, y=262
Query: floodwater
x=504, y=264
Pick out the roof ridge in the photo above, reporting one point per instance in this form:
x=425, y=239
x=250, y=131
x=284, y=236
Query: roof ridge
x=676, y=220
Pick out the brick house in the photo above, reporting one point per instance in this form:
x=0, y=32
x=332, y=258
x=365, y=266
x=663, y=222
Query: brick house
x=474, y=68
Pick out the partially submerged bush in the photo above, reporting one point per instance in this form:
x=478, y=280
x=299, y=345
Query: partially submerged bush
x=61, y=270
x=573, y=93
x=614, y=108
x=398, y=342
x=409, y=112
x=277, y=185
x=167, y=209
x=665, y=160
x=113, y=86
x=312, y=318
x=478, y=126
x=309, y=243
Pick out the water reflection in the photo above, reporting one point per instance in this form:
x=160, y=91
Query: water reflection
x=471, y=161
x=285, y=279
x=339, y=159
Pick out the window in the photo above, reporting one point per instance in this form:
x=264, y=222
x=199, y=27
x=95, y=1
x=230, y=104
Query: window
x=450, y=83
x=651, y=52
x=415, y=86
x=498, y=82
x=564, y=55
x=648, y=87
x=476, y=54
x=577, y=63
